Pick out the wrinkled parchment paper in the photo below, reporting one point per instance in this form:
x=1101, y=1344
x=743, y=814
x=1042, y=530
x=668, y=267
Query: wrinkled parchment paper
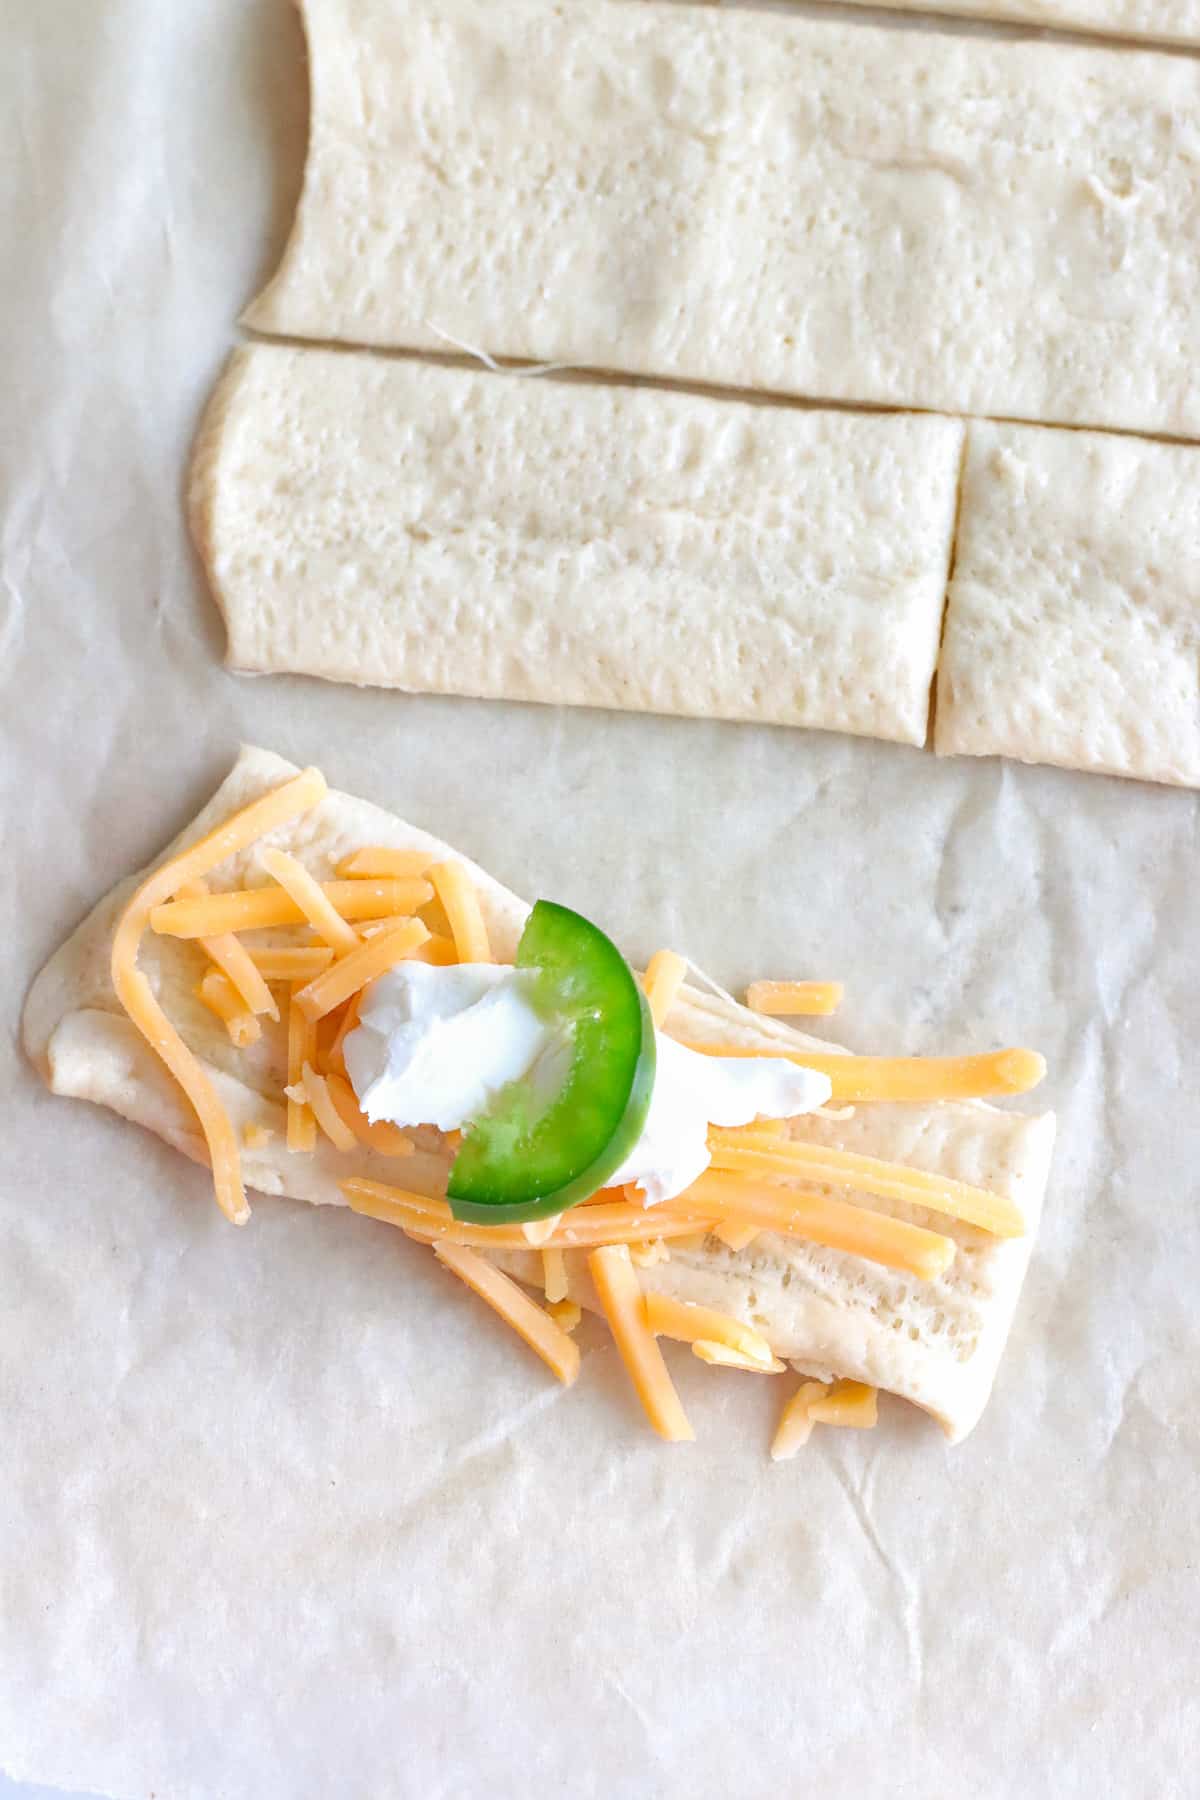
x=286, y=1514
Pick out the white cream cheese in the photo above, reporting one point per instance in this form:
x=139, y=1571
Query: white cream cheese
x=434, y=1045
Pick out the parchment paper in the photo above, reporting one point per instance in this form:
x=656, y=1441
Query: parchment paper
x=286, y=1514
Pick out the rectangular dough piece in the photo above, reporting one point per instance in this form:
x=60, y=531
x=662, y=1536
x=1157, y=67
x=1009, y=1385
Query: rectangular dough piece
x=1073, y=624
x=1141, y=21
x=900, y=218
x=935, y=1343
x=449, y=531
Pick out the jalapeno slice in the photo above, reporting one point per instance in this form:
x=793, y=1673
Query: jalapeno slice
x=555, y=1136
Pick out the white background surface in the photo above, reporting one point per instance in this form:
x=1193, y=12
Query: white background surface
x=284, y=1514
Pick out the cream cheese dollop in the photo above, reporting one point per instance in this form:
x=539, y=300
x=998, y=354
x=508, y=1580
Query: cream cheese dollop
x=434, y=1045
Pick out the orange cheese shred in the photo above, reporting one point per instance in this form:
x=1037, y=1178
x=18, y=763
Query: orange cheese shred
x=537, y=1232
x=620, y=1299
x=312, y=900
x=796, y=1212
x=334, y=1062
x=261, y=908
x=649, y=1254
x=554, y=1275
x=794, y=999
x=387, y=1139
x=665, y=974
x=283, y=963
x=692, y=1241
x=721, y=1356
x=376, y=860
x=857, y=1079
x=134, y=992
x=732, y=1150
x=566, y=1313
x=765, y=1128
x=690, y=1324
x=439, y=950
x=850, y=1403
x=234, y=960
x=547, y=1339
x=454, y=889
x=583, y=1228
x=301, y=1048
x=324, y=1111
x=364, y=963
x=218, y=993
x=737, y=1237
x=795, y=1423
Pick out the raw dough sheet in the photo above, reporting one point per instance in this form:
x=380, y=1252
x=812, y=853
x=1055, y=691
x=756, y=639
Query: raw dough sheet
x=1072, y=630
x=826, y=209
x=285, y=1512
x=377, y=520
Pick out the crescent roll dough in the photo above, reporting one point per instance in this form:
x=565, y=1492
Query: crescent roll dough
x=1073, y=624
x=457, y=532
x=935, y=1343
x=756, y=200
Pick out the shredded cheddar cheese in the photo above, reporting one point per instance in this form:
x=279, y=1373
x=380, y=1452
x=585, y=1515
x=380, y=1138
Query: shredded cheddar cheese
x=282, y=963
x=620, y=1299
x=375, y=860
x=736, y=1205
x=737, y=1237
x=850, y=1403
x=566, y=1313
x=301, y=1048
x=220, y=996
x=540, y=1231
x=312, y=900
x=795, y=1423
x=133, y=990
x=664, y=977
x=261, y=908
x=795, y=1212
x=234, y=961
x=438, y=950
x=908, y=1078
x=387, y=1139
x=583, y=1228
x=767, y=1128
x=722, y=1356
x=334, y=1057
x=316, y=1094
x=690, y=1324
x=256, y=1136
x=554, y=1275
x=363, y=963
x=547, y=1339
x=794, y=999
x=453, y=888
x=869, y=1175
x=690, y=1240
